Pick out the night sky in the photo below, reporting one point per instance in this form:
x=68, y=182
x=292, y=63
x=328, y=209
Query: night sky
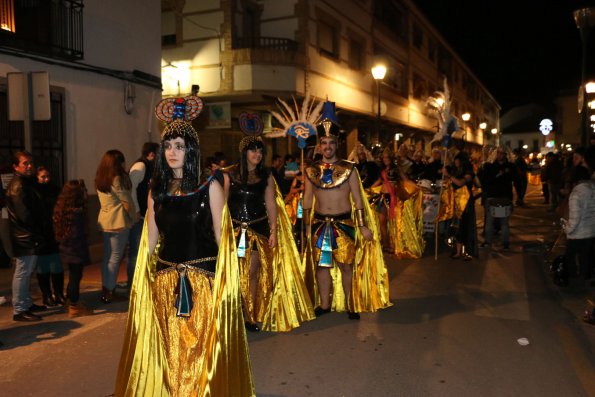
x=523, y=51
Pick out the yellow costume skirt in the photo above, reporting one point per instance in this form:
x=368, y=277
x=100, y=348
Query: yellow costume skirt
x=254, y=310
x=184, y=337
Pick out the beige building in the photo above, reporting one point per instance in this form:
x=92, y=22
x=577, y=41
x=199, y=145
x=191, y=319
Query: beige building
x=242, y=54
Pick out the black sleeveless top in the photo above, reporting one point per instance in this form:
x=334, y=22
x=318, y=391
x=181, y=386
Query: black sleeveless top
x=185, y=226
x=246, y=204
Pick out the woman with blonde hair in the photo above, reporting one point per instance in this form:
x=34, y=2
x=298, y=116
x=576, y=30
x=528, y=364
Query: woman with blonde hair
x=116, y=216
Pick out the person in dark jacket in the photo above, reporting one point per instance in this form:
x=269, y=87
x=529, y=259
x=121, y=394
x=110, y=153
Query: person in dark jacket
x=498, y=178
x=140, y=176
x=552, y=174
x=70, y=230
x=27, y=214
x=521, y=180
x=50, y=272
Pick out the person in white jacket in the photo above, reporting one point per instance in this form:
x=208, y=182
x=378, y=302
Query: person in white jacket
x=580, y=226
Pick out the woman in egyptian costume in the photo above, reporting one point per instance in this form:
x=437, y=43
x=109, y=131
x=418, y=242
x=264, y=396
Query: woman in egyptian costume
x=273, y=290
x=399, y=209
x=185, y=333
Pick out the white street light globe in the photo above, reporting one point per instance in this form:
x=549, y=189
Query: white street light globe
x=483, y=126
x=494, y=131
x=379, y=71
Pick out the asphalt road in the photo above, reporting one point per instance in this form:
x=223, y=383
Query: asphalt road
x=453, y=331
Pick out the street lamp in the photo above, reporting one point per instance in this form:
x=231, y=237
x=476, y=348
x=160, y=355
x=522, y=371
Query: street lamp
x=465, y=117
x=378, y=72
x=494, y=132
x=585, y=19
x=483, y=126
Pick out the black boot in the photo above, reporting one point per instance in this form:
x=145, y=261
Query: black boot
x=44, y=286
x=58, y=287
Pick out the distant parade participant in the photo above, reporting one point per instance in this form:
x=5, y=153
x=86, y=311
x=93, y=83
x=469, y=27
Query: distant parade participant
x=433, y=171
x=365, y=164
x=184, y=334
x=269, y=261
x=343, y=235
x=461, y=176
x=385, y=205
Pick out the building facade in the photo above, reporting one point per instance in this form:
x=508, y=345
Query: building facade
x=100, y=60
x=240, y=55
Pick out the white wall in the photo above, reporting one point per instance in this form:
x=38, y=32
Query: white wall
x=121, y=35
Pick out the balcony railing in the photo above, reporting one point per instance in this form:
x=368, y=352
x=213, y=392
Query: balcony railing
x=273, y=43
x=52, y=28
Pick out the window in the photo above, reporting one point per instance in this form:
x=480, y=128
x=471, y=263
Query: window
x=356, y=54
x=48, y=28
x=7, y=15
x=328, y=38
x=393, y=16
x=432, y=50
x=420, y=87
x=418, y=36
x=168, y=28
x=396, y=76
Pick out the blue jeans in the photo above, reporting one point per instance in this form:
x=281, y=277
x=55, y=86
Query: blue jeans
x=489, y=225
x=114, y=244
x=24, y=266
x=133, y=243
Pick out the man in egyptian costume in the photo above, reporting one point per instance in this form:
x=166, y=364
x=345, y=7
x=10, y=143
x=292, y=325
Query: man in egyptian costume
x=344, y=253
x=185, y=333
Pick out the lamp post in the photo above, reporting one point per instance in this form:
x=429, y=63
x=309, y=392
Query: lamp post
x=465, y=117
x=585, y=19
x=378, y=72
x=494, y=132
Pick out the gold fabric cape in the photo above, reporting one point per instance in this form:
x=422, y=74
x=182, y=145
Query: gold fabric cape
x=282, y=299
x=370, y=286
x=452, y=202
x=227, y=371
x=406, y=228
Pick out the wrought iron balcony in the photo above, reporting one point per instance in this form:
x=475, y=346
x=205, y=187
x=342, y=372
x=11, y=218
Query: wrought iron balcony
x=272, y=43
x=52, y=28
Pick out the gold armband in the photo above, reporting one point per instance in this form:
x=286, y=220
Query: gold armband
x=359, y=217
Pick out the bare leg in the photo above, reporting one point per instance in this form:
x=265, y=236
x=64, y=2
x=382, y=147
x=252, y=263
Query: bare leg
x=323, y=277
x=346, y=280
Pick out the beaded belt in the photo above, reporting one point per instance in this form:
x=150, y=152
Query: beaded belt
x=243, y=228
x=183, y=290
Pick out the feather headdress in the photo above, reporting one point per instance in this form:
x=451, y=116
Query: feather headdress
x=299, y=123
x=438, y=104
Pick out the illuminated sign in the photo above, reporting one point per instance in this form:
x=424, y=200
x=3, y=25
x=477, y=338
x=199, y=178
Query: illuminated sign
x=546, y=126
x=550, y=144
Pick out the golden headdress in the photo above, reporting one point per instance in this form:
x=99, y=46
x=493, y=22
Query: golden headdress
x=177, y=112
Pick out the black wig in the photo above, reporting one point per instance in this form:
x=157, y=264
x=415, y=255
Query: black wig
x=191, y=169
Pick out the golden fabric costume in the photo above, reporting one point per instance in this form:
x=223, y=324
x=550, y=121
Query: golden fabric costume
x=282, y=300
x=370, y=283
x=452, y=203
x=405, y=221
x=206, y=353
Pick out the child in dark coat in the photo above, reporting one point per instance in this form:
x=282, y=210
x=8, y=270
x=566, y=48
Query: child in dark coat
x=69, y=227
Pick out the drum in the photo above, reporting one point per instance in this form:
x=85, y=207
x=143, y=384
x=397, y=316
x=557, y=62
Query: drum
x=500, y=208
x=425, y=185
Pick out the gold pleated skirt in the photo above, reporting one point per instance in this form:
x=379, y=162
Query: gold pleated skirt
x=345, y=251
x=184, y=337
